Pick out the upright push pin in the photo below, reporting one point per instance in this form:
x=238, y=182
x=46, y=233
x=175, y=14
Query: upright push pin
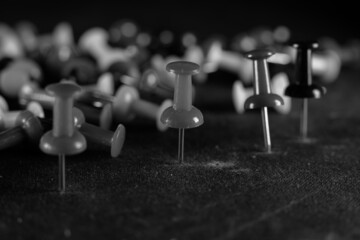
x=262, y=98
x=63, y=139
x=303, y=87
x=182, y=114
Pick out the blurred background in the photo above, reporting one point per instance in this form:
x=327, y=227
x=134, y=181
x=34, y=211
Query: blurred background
x=310, y=20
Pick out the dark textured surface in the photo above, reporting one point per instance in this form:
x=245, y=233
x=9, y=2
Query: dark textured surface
x=227, y=189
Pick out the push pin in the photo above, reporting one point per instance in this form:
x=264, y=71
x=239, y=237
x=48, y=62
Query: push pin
x=27, y=66
x=304, y=87
x=31, y=92
x=155, y=82
x=182, y=114
x=94, y=134
x=63, y=139
x=11, y=82
x=262, y=98
x=127, y=104
x=27, y=127
x=11, y=119
x=218, y=58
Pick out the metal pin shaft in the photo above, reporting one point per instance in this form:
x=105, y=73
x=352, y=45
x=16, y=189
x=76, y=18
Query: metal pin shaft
x=61, y=173
x=304, y=119
x=265, y=123
x=181, y=145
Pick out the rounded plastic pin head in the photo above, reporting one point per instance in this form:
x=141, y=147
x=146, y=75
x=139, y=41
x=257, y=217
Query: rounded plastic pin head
x=305, y=91
x=239, y=96
x=63, y=145
x=263, y=100
x=159, y=123
x=32, y=126
x=117, y=140
x=182, y=119
x=36, y=108
x=155, y=82
x=11, y=82
x=124, y=97
x=3, y=104
x=79, y=117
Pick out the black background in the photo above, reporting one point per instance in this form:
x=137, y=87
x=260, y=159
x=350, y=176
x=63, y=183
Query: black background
x=306, y=19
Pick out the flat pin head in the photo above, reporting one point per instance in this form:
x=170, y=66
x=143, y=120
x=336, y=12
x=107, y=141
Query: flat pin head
x=63, y=90
x=305, y=45
x=259, y=54
x=118, y=140
x=183, y=67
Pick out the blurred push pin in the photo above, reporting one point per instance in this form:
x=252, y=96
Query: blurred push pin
x=304, y=87
x=3, y=104
x=63, y=139
x=26, y=128
x=127, y=104
x=182, y=114
x=94, y=134
x=263, y=98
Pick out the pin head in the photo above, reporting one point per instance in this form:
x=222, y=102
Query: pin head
x=11, y=82
x=79, y=117
x=159, y=123
x=183, y=67
x=259, y=54
x=305, y=45
x=63, y=145
x=118, y=140
x=36, y=108
x=239, y=96
x=63, y=90
x=263, y=100
x=124, y=96
x=149, y=80
x=305, y=91
x=32, y=126
x=26, y=91
x=3, y=104
x=182, y=119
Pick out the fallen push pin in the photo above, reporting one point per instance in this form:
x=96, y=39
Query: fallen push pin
x=63, y=139
x=182, y=114
x=262, y=98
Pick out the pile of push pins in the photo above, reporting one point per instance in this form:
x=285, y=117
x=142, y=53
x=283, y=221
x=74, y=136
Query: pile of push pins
x=60, y=96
